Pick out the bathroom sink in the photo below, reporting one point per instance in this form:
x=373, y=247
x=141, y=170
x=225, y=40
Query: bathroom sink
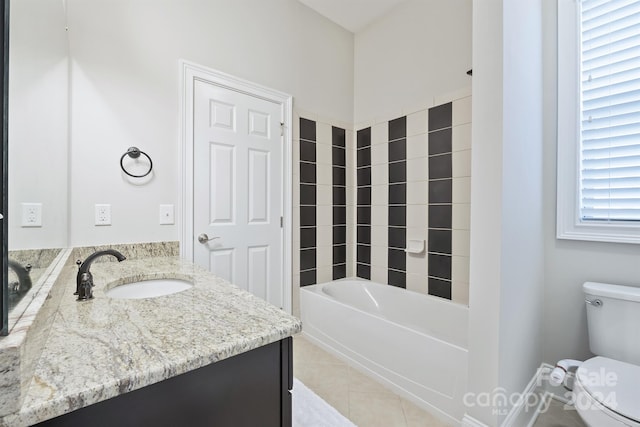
x=149, y=288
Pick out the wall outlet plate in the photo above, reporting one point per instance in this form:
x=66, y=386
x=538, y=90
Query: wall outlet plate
x=167, y=216
x=31, y=215
x=103, y=214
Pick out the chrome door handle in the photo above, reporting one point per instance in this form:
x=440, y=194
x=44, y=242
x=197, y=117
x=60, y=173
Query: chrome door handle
x=595, y=302
x=203, y=238
x=1, y=216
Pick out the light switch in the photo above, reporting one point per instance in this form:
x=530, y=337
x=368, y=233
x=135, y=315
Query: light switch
x=167, y=215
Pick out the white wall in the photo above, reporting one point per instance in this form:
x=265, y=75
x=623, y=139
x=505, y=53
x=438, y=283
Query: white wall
x=568, y=264
x=506, y=273
x=522, y=186
x=486, y=204
x=420, y=50
x=38, y=114
x=125, y=90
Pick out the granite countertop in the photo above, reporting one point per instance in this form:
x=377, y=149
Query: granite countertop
x=105, y=347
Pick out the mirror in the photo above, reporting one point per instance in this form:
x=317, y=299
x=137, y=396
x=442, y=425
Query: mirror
x=37, y=146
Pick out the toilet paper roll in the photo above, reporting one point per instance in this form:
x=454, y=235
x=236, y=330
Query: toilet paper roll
x=557, y=376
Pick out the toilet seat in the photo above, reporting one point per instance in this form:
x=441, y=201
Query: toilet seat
x=607, y=392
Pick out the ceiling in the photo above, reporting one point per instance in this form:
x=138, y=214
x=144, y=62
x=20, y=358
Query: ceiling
x=354, y=15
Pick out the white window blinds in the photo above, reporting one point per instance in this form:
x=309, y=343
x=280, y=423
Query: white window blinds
x=610, y=110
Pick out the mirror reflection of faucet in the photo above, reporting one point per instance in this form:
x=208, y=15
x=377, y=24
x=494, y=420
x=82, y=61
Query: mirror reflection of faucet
x=19, y=289
x=84, y=280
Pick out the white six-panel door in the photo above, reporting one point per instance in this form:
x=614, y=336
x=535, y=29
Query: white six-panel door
x=237, y=188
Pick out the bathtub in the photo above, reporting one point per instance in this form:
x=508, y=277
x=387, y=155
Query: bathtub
x=413, y=343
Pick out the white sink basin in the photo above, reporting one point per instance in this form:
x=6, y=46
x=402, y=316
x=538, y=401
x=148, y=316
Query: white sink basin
x=149, y=288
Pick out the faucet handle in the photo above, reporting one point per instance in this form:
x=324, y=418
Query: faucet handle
x=78, y=263
x=85, y=292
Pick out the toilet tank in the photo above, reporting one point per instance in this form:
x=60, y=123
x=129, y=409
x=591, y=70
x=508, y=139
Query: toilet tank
x=613, y=319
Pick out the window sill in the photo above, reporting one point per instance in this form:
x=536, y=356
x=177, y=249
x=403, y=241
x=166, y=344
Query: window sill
x=613, y=233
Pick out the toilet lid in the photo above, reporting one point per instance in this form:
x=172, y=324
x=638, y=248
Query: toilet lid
x=614, y=384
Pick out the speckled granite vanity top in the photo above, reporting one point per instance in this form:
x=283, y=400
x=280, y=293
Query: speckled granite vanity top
x=105, y=347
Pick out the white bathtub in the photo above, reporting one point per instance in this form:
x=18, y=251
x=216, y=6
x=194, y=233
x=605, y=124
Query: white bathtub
x=414, y=343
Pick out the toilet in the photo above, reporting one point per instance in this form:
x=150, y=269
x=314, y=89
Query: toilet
x=607, y=387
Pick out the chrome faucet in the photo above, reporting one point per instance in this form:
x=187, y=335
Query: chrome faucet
x=84, y=280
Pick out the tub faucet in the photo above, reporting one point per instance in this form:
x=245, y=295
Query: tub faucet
x=84, y=280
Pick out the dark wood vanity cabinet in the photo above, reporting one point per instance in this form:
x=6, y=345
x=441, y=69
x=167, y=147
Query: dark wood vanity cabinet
x=250, y=389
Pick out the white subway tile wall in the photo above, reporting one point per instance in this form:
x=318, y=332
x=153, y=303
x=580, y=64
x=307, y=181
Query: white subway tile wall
x=417, y=123
x=417, y=146
x=380, y=133
x=462, y=137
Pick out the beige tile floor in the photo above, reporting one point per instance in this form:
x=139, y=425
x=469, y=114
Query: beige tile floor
x=369, y=404
x=364, y=401
x=559, y=416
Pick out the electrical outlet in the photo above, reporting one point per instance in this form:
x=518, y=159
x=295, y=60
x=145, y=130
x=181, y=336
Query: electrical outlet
x=166, y=215
x=31, y=214
x=103, y=214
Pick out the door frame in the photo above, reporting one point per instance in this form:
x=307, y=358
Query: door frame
x=189, y=73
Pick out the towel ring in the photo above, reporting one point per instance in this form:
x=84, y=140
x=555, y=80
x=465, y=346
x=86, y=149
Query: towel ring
x=134, y=153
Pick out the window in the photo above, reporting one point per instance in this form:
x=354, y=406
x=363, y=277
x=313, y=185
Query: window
x=599, y=120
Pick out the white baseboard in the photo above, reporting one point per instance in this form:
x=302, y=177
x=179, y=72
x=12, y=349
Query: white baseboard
x=469, y=421
x=522, y=415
